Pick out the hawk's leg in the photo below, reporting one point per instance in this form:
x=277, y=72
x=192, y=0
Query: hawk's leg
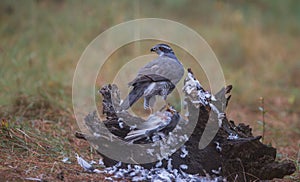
x=164, y=94
x=149, y=103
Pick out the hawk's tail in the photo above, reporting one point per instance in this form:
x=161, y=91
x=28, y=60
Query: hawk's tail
x=134, y=95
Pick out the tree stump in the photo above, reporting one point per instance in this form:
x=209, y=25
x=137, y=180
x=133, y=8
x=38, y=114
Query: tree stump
x=233, y=153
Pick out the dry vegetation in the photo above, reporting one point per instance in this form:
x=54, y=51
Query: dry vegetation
x=256, y=42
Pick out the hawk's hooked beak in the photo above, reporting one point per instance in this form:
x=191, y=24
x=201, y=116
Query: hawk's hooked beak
x=152, y=49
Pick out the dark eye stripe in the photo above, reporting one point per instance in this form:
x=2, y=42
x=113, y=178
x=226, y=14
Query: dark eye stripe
x=165, y=47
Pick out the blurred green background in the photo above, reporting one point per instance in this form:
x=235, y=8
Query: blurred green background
x=257, y=43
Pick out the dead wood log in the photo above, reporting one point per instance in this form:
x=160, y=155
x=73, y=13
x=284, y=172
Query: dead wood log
x=233, y=153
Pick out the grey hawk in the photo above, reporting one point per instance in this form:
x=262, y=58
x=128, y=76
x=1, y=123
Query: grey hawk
x=158, y=77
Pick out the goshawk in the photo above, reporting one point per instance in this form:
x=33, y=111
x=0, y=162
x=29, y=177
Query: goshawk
x=158, y=77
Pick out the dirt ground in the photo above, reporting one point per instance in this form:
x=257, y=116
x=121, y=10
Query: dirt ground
x=35, y=148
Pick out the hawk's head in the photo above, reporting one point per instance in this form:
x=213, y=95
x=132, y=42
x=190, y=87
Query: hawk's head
x=163, y=50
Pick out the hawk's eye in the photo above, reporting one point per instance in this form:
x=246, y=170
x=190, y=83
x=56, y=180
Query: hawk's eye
x=160, y=48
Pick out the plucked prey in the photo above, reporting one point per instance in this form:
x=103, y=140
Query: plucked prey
x=157, y=123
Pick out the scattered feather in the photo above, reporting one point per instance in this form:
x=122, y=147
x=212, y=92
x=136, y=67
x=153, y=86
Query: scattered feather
x=93, y=162
x=96, y=134
x=184, y=152
x=138, y=173
x=84, y=164
x=66, y=160
x=183, y=166
x=218, y=147
x=170, y=165
x=217, y=171
x=121, y=124
x=158, y=164
x=101, y=162
x=34, y=179
x=232, y=136
x=150, y=151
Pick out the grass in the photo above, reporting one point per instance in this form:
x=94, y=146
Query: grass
x=256, y=43
x=36, y=148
